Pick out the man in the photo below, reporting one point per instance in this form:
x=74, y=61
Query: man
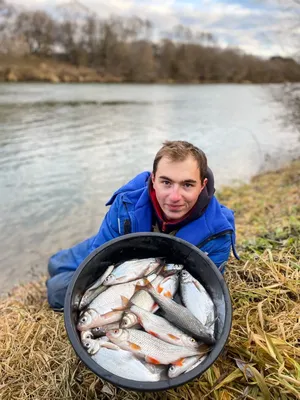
x=176, y=199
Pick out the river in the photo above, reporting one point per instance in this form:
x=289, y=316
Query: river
x=64, y=148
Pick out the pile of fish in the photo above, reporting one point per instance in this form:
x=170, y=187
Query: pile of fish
x=131, y=325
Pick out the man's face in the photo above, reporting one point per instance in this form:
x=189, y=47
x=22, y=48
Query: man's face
x=177, y=186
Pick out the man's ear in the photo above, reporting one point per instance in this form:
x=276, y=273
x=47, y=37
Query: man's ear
x=205, y=180
x=152, y=177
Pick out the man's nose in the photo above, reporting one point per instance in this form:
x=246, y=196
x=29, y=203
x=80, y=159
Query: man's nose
x=175, y=194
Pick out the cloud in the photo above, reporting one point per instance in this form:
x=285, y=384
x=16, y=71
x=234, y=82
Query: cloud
x=257, y=27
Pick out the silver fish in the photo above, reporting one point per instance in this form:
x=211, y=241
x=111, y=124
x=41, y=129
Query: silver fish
x=163, y=329
x=196, y=363
x=93, y=291
x=132, y=269
x=165, y=286
x=197, y=300
x=109, y=305
x=182, y=317
x=90, y=343
x=101, y=330
x=144, y=300
x=170, y=269
x=123, y=363
x=153, y=350
x=92, y=319
x=187, y=364
x=86, y=335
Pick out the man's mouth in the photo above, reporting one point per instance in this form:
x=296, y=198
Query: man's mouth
x=174, y=207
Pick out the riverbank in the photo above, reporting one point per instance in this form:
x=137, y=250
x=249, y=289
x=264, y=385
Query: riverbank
x=261, y=358
x=35, y=69
x=32, y=68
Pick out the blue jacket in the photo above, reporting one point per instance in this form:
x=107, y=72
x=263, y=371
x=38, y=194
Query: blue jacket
x=131, y=211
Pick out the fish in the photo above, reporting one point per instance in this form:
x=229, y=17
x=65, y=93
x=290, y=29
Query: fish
x=86, y=335
x=197, y=300
x=101, y=330
x=170, y=269
x=182, y=317
x=150, y=348
x=93, y=291
x=92, y=319
x=163, y=329
x=187, y=364
x=133, y=269
x=90, y=343
x=115, y=298
x=165, y=286
x=123, y=363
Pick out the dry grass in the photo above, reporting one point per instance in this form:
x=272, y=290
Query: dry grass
x=262, y=357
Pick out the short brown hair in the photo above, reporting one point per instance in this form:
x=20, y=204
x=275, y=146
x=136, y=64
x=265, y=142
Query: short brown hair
x=179, y=150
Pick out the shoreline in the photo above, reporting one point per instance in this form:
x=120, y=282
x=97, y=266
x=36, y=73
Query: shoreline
x=261, y=358
x=34, y=69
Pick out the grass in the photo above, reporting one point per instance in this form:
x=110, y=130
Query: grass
x=262, y=357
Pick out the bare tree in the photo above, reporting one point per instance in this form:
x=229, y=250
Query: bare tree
x=38, y=30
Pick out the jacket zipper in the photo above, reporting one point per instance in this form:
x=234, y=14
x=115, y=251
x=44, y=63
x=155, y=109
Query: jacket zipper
x=201, y=244
x=127, y=228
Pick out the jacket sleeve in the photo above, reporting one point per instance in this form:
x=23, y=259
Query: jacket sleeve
x=218, y=250
x=62, y=265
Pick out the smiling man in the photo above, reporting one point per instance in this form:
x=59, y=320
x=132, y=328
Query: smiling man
x=177, y=198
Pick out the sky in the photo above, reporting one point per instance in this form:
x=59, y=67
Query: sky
x=260, y=27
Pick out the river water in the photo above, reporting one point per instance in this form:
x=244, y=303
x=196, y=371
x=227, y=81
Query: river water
x=65, y=148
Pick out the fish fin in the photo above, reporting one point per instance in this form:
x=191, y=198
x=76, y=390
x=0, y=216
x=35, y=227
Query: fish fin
x=134, y=346
x=109, y=314
x=198, y=285
x=173, y=336
x=153, y=333
x=138, y=286
x=110, y=345
x=125, y=301
x=119, y=308
x=159, y=289
x=212, y=322
x=179, y=362
x=151, y=360
x=154, y=307
x=168, y=294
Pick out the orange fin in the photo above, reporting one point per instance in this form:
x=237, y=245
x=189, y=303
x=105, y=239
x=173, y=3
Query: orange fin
x=125, y=301
x=134, y=346
x=153, y=333
x=173, y=336
x=151, y=360
x=168, y=294
x=159, y=289
x=179, y=362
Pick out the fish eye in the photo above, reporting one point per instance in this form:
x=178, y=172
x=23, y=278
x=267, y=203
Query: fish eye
x=192, y=340
x=83, y=319
x=87, y=345
x=172, y=368
x=116, y=331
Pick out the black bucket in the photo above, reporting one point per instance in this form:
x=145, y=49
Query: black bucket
x=143, y=245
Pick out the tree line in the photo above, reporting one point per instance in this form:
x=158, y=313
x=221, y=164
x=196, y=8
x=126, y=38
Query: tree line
x=126, y=48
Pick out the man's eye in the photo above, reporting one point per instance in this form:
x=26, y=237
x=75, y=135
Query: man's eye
x=188, y=185
x=166, y=183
